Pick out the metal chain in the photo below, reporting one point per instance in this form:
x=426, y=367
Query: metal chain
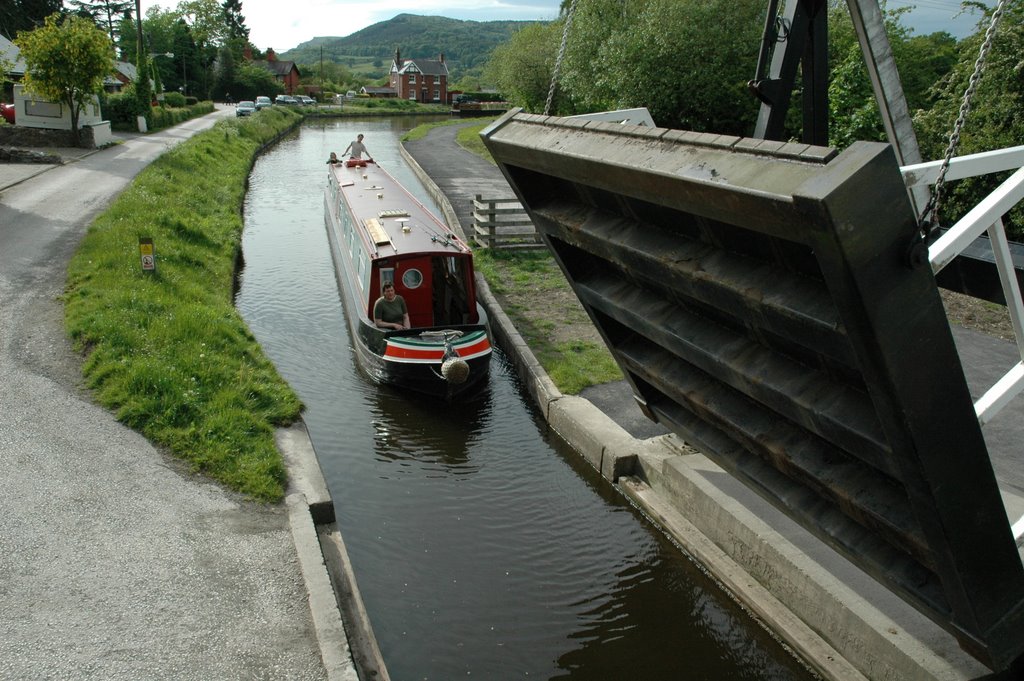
x=930, y=214
x=558, y=59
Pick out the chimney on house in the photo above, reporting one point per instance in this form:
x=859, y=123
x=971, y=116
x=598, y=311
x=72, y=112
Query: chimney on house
x=247, y=53
x=441, y=59
x=271, y=55
x=398, y=58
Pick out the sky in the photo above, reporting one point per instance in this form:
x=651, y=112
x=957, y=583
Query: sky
x=283, y=26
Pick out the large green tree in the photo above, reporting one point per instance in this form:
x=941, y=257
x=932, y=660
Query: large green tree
x=66, y=61
x=687, y=61
x=996, y=117
x=921, y=61
x=22, y=15
x=236, y=32
x=522, y=67
x=106, y=13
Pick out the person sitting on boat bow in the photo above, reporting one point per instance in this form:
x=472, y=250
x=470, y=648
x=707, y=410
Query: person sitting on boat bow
x=333, y=159
x=358, y=149
x=390, y=312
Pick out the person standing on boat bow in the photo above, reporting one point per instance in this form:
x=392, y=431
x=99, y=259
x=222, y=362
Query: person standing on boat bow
x=358, y=149
x=390, y=312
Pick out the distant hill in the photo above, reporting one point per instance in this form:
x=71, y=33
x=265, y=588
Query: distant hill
x=466, y=44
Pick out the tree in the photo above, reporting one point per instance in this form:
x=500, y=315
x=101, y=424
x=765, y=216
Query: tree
x=996, y=118
x=66, y=62
x=687, y=61
x=252, y=80
x=207, y=26
x=521, y=68
x=235, y=29
x=921, y=61
x=104, y=12
x=24, y=15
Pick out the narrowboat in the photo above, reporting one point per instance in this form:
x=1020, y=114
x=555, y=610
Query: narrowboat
x=379, y=234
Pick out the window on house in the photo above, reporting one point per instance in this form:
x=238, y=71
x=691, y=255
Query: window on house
x=437, y=95
x=412, y=79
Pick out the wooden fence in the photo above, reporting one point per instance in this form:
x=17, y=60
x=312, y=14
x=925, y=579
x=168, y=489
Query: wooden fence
x=503, y=223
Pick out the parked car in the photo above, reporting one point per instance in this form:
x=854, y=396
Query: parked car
x=305, y=100
x=7, y=111
x=286, y=100
x=263, y=102
x=245, y=108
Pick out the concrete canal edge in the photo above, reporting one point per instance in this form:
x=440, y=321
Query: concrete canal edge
x=838, y=620
x=345, y=636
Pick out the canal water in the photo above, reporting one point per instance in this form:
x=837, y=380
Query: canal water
x=483, y=547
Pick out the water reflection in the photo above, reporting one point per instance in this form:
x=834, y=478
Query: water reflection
x=428, y=431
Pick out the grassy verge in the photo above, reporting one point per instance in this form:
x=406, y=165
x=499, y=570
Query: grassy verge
x=420, y=131
x=537, y=298
x=166, y=350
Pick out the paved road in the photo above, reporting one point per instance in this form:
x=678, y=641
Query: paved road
x=115, y=562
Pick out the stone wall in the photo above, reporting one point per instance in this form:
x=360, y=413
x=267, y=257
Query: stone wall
x=20, y=136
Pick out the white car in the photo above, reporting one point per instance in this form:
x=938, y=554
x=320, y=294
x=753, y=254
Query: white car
x=263, y=102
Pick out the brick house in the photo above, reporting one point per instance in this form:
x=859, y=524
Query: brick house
x=285, y=72
x=421, y=80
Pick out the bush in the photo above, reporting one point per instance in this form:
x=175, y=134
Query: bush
x=165, y=117
x=121, y=109
x=175, y=99
x=482, y=96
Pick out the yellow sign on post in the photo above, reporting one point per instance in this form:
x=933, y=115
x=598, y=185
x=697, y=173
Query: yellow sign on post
x=148, y=254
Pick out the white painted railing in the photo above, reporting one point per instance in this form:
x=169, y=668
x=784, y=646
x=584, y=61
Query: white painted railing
x=986, y=216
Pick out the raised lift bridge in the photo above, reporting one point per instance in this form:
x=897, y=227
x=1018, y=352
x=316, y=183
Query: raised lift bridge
x=764, y=302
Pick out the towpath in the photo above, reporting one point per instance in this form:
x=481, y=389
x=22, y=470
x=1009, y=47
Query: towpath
x=116, y=562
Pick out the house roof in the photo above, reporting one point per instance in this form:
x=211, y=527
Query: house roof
x=428, y=67
x=9, y=52
x=378, y=90
x=278, y=68
x=127, y=69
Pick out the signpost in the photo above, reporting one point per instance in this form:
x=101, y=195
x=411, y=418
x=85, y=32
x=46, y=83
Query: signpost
x=148, y=254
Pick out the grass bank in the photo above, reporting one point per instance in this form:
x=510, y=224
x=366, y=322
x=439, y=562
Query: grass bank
x=166, y=350
x=535, y=295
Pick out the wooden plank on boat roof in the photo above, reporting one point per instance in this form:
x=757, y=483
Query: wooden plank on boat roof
x=377, y=232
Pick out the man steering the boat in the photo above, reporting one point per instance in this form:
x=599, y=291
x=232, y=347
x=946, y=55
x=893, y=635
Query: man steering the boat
x=358, y=149
x=390, y=312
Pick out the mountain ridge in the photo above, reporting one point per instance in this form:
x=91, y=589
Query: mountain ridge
x=466, y=44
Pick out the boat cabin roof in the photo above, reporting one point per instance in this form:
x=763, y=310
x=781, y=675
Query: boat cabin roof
x=393, y=222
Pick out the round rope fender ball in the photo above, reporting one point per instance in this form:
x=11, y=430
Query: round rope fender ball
x=455, y=370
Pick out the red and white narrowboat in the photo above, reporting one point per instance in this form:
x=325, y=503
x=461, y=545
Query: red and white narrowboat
x=379, y=233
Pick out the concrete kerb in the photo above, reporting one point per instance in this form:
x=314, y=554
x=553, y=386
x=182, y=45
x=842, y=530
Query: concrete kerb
x=763, y=570
x=348, y=647
x=821, y=611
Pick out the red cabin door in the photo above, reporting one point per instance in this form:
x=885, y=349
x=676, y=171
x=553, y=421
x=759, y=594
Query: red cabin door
x=414, y=282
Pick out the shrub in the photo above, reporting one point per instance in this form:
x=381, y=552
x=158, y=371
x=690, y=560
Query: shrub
x=175, y=99
x=121, y=109
x=165, y=117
